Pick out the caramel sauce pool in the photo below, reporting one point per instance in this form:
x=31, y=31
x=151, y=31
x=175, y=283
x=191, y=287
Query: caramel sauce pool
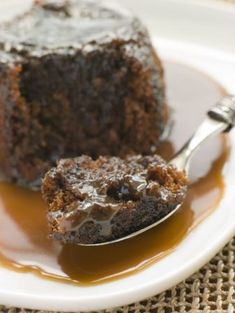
x=24, y=245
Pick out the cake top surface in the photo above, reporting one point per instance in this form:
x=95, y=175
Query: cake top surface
x=52, y=25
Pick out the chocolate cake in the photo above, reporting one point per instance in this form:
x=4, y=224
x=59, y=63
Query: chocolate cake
x=76, y=77
x=96, y=201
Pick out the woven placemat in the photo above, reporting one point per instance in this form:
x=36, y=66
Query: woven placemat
x=210, y=290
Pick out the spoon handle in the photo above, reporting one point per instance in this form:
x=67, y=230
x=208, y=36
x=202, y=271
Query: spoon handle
x=220, y=118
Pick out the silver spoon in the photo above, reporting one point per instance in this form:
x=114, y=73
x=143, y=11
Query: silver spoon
x=220, y=118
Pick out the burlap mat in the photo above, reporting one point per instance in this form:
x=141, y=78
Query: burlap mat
x=210, y=290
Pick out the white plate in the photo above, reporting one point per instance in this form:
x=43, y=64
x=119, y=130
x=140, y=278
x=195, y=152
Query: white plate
x=198, y=33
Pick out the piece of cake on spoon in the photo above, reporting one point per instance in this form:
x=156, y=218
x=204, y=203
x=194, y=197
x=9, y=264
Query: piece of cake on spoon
x=97, y=201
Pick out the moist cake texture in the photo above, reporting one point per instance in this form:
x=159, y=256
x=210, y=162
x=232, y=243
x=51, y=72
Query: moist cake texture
x=76, y=77
x=96, y=201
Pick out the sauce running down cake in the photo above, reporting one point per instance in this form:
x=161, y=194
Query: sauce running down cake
x=76, y=77
x=96, y=201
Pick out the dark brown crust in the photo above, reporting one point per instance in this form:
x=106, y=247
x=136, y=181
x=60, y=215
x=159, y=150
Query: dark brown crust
x=99, y=97
x=4, y=121
x=96, y=201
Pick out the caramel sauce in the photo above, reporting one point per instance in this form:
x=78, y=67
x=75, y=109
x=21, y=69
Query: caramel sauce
x=24, y=245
